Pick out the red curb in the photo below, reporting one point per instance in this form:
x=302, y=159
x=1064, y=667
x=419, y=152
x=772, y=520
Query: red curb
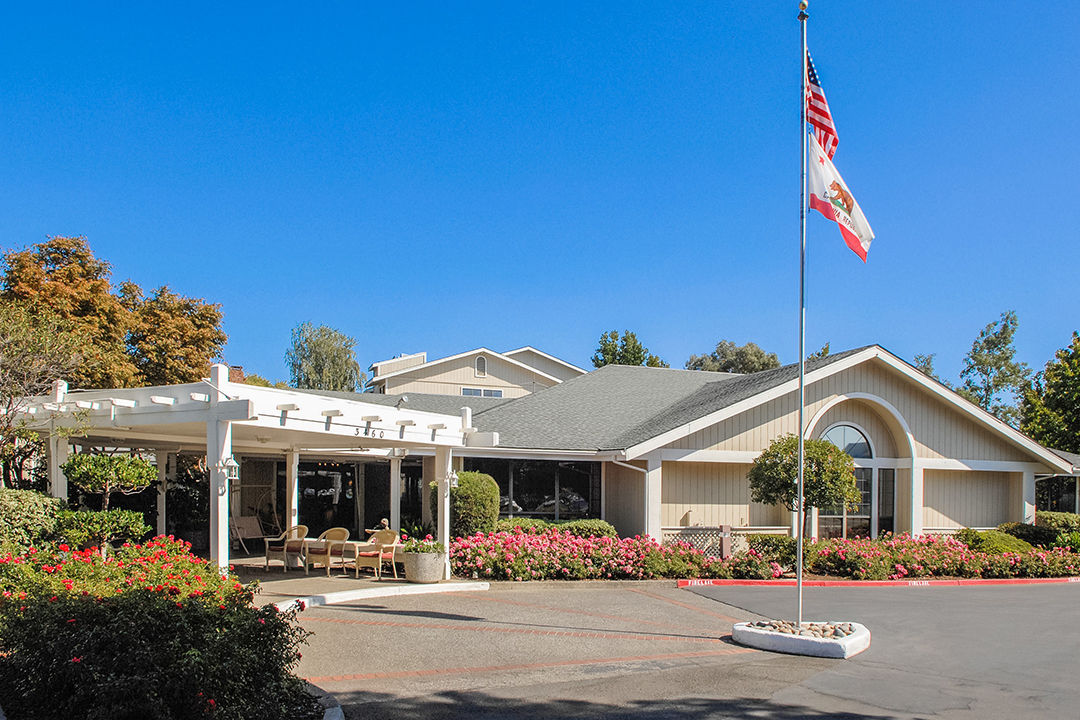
x=877, y=583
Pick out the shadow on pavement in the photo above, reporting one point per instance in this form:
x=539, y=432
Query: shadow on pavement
x=480, y=706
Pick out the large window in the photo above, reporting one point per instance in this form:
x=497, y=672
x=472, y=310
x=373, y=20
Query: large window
x=548, y=489
x=841, y=522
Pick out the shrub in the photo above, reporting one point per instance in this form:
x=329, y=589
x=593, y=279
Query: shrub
x=26, y=517
x=474, y=504
x=152, y=633
x=993, y=542
x=774, y=548
x=1059, y=521
x=1031, y=534
x=106, y=474
x=1069, y=540
x=588, y=528
x=88, y=528
x=507, y=525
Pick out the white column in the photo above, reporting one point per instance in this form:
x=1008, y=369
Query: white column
x=395, y=493
x=218, y=450
x=653, y=484
x=603, y=491
x=1027, y=508
x=292, y=489
x=162, y=460
x=916, y=498
x=443, y=467
x=58, y=455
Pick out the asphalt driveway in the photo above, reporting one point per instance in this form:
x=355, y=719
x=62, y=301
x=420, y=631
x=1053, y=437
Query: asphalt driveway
x=649, y=650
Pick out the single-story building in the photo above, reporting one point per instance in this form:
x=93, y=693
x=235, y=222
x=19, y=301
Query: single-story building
x=652, y=450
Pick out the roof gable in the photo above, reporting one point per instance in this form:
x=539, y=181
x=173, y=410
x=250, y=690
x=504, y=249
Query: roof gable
x=459, y=356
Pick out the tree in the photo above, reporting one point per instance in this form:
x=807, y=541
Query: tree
x=172, y=338
x=1050, y=406
x=130, y=339
x=35, y=349
x=992, y=377
x=924, y=363
x=828, y=476
x=63, y=275
x=260, y=381
x=822, y=353
x=627, y=350
x=106, y=474
x=321, y=358
x=731, y=358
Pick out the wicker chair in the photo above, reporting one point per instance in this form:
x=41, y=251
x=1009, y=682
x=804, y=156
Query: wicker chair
x=383, y=543
x=329, y=545
x=290, y=542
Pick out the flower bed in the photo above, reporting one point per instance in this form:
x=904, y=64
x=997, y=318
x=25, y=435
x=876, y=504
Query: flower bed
x=902, y=556
x=552, y=554
x=150, y=632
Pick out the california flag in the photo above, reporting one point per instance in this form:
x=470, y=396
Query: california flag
x=829, y=195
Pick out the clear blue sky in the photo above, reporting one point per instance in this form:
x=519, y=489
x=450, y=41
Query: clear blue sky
x=451, y=175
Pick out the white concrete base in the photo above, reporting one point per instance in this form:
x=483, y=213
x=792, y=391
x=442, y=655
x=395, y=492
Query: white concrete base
x=761, y=639
x=385, y=591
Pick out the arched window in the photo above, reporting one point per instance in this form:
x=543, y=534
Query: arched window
x=481, y=366
x=849, y=439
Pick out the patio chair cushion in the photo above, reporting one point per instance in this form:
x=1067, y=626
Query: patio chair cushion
x=375, y=553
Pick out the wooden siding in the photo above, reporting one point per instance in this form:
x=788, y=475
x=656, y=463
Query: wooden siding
x=624, y=499
x=714, y=494
x=939, y=430
x=902, y=522
x=545, y=365
x=866, y=417
x=450, y=377
x=956, y=499
x=385, y=368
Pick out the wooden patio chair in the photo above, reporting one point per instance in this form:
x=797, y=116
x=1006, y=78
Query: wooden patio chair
x=290, y=542
x=384, y=543
x=329, y=545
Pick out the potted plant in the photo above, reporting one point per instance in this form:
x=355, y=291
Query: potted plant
x=425, y=560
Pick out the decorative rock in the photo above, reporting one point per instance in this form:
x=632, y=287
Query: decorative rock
x=818, y=639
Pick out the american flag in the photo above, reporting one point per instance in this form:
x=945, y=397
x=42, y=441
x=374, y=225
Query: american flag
x=817, y=110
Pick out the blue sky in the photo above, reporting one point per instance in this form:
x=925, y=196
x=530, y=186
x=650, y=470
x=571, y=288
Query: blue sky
x=445, y=176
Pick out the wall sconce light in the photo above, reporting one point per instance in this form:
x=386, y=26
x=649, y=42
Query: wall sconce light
x=229, y=468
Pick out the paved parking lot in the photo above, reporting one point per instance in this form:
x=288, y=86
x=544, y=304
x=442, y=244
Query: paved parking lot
x=649, y=650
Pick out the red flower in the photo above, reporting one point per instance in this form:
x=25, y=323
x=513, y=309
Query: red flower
x=76, y=659
x=64, y=548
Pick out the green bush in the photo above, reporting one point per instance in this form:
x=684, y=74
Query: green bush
x=152, y=633
x=474, y=504
x=1031, y=534
x=87, y=528
x=774, y=548
x=27, y=518
x=992, y=542
x=588, y=528
x=1059, y=521
x=1069, y=540
x=525, y=523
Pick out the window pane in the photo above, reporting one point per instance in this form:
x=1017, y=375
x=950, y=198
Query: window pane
x=850, y=440
x=534, y=487
x=471, y=392
x=886, y=500
x=500, y=470
x=575, y=488
x=858, y=527
x=493, y=393
x=830, y=527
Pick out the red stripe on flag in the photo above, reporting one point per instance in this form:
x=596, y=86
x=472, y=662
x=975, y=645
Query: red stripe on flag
x=850, y=239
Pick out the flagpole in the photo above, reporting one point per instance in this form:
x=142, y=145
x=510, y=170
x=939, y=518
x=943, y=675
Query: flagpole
x=799, y=513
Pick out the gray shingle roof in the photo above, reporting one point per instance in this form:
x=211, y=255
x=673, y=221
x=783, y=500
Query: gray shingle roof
x=619, y=406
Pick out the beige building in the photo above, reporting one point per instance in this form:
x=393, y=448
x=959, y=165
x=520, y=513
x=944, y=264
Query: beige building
x=476, y=373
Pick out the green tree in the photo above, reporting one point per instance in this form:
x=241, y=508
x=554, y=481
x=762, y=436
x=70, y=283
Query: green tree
x=992, y=377
x=828, y=476
x=322, y=358
x=260, y=381
x=35, y=349
x=172, y=339
x=822, y=353
x=106, y=474
x=1050, y=406
x=924, y=363
x=731, y=358
x=625, y=350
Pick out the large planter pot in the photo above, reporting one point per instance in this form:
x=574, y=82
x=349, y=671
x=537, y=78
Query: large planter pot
x=424, y=567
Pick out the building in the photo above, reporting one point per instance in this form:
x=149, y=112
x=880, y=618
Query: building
x=476, y=373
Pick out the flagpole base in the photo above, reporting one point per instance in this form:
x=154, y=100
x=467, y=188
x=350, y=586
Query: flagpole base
x=818, y=639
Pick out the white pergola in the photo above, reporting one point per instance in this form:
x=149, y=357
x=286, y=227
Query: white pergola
x=224, y=418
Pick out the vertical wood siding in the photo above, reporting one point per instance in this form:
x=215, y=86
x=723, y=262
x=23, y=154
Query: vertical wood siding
x=448, y=378
x=625, y=499
x=715, y=494
x=939, y=430
x=956, y=499
x=545, y=365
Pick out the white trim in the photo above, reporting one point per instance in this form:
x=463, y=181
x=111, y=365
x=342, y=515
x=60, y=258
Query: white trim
x=476, y=366
x=738, y=457
x=530, y=348
x=978, y=465
x=374, y=365
x=433, y=363
x=871, y=398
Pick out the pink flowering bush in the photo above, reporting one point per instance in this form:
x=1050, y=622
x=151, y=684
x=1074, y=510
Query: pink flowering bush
x=897, y=557
x=555, y=555
x=150, y=632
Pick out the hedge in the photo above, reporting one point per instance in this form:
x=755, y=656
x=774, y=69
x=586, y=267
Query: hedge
x=581, y=528
x=1059, y=521
x=27, y=517
x=153, y=632
x=993, y=542
x=474, y=504
x=1031, y=534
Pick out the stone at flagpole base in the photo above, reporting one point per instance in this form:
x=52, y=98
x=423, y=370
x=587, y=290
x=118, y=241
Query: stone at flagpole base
x=828, y=639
